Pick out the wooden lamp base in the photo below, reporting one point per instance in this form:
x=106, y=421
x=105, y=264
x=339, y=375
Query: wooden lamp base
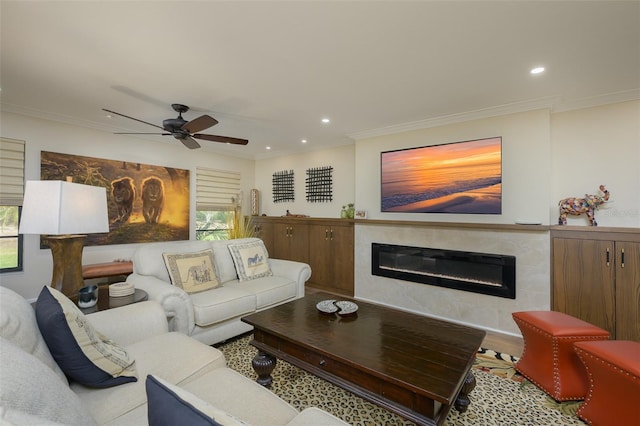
x=67, y=263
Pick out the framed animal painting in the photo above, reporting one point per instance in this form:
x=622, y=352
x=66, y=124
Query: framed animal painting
x=146, y=202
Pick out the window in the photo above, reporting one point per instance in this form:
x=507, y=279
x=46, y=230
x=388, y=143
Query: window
x=217, y=203
x=11, y=193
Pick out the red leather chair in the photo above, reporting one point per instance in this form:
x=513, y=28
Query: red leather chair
x=549, y=360
x=613, y=368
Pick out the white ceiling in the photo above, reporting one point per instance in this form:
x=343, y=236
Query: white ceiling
x=269, y=71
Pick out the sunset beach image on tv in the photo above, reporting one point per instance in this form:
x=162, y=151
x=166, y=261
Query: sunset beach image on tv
x=460, y=177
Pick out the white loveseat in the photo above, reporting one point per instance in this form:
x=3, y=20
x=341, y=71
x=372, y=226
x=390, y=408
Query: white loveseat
x=34, y=390
x=215, y=315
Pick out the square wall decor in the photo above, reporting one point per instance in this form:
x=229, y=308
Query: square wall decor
x=283, y=189
x=319, y=184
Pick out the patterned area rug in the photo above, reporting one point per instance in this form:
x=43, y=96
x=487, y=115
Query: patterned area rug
x=501, y=397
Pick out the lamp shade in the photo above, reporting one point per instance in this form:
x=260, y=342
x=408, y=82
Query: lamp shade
x=53, y=207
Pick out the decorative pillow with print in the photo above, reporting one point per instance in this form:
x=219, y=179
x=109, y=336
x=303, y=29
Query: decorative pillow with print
x=83, y=353
x=192, y=272
x=251, y=260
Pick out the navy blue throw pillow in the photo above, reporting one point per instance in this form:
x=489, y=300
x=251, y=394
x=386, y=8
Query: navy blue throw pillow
x=83, y=353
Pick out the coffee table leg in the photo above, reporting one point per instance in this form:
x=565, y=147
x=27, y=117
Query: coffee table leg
x=263, y=364
x=462, y=401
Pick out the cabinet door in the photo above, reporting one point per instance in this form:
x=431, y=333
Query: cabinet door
x=331, y=258
x=264, y=231
x=342, y=255
x=583, y=280
x=290, y=242
x=627, y=291
x=299, y=243
x=320, y=254
x=281, y=241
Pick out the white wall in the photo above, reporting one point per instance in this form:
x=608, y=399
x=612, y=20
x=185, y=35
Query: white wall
x=43, y=135
x=526, y=166
x=341, y=159
x=595, y=146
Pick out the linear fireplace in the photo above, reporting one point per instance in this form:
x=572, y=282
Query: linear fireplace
x=484, y=273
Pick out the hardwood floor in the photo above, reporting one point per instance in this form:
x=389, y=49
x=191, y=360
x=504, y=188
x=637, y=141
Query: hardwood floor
x=503, y=343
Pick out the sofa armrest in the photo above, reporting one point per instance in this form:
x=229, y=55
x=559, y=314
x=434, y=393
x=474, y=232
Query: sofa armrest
x=176, y=303
x=130, y=323
x=297, y=271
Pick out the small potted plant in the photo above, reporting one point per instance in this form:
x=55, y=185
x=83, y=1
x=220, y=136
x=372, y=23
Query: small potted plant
x=351, y=210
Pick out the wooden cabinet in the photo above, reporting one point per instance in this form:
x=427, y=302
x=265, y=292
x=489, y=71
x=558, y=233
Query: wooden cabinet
x=331, y=257
x=596, y=277
x=291, y=241
x=325, y=244
x=284, y=238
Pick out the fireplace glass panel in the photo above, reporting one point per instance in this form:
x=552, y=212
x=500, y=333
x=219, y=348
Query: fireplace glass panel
x=476, y=272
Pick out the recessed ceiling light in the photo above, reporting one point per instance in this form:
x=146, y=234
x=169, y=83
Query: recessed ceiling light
x=267, y=147
x=109, y=116
x=537, y=70
x=326, y=120
x=303, y=141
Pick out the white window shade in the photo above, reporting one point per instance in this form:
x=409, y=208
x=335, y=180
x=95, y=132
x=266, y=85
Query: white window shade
x=11, y=172
x=217, y=189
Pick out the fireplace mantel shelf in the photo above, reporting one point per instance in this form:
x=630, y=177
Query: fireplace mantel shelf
x=456, y=225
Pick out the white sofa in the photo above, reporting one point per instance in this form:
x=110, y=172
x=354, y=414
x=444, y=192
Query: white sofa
x=214, y=315
x=34, y=391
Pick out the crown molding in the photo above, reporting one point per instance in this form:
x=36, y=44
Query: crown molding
x=600, y=100
x=552, y=103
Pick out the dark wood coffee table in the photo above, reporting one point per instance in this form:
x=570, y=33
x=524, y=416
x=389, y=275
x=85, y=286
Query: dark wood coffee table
x=415, y=366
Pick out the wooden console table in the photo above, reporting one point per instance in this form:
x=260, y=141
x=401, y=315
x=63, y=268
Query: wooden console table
x=109, y=269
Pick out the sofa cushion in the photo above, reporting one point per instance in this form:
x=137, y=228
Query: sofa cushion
x=30, y=387
x=268, y=291
x=223, y=303
x=192, y=272
x=18, y=325
x=241, y=397
x=251, y=260
x=84, y=354
x=175, y=357
x=170, y=405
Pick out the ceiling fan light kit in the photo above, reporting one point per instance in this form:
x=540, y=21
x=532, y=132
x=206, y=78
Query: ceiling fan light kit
x=183, y=130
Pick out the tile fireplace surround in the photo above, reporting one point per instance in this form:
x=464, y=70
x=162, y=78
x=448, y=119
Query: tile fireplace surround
x=528, y=243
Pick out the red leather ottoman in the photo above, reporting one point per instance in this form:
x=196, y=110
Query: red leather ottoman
x=548, y=359
x=613, y=368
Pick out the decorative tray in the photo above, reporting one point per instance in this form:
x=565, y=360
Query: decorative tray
x=346, y=308
x=342, y=307
x=327, y=307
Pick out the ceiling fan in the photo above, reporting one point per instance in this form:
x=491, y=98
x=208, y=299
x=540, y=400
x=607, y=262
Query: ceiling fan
x=183, y=130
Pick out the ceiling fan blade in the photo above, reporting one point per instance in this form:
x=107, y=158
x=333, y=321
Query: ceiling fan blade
x=189, y=142
x=224, y=139
x=131, y=118
x=138, y=133
x=200, y=123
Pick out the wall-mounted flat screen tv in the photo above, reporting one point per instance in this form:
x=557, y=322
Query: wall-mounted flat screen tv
x=460, y=177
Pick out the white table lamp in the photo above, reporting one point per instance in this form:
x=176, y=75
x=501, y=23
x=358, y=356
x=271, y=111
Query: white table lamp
x=64, y=212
